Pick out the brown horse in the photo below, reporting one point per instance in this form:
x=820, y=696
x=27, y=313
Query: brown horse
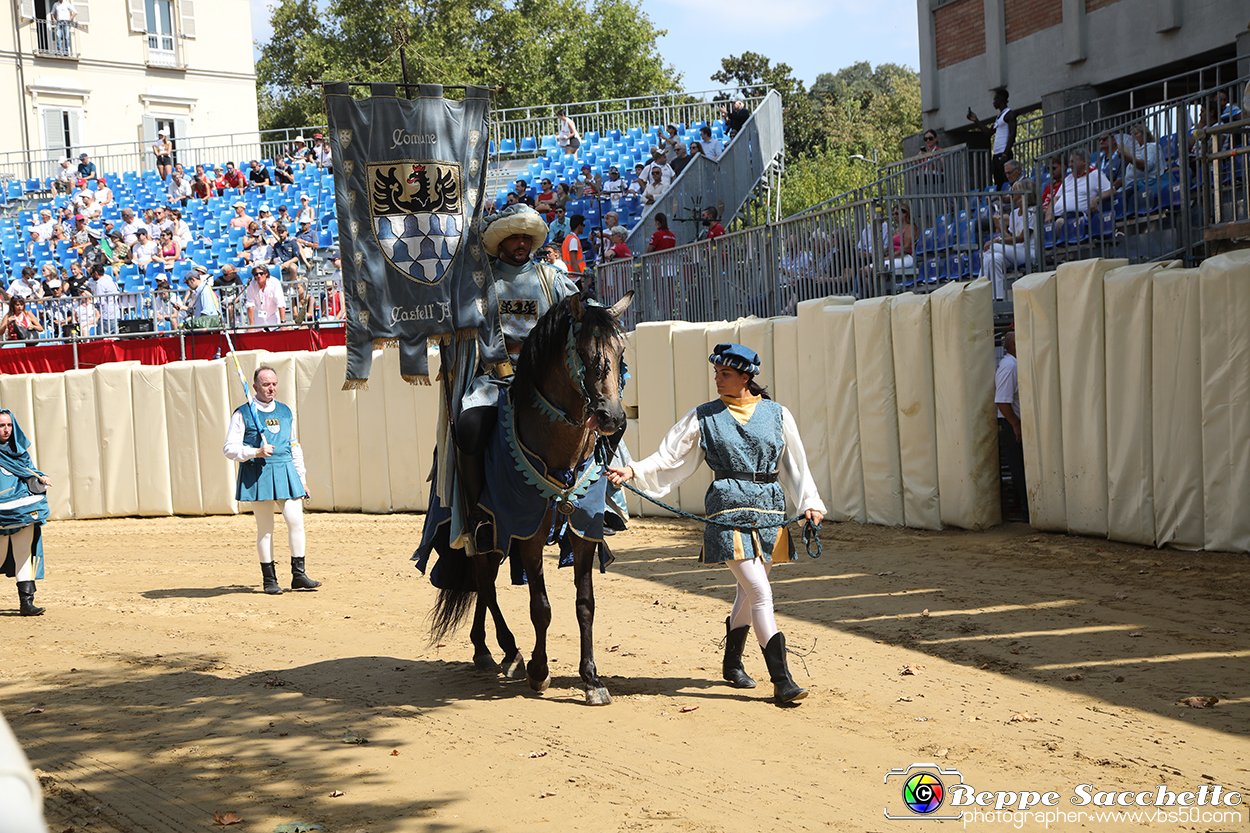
x=565, y=398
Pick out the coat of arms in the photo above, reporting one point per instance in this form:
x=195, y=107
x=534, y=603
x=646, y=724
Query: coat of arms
x=417, y=208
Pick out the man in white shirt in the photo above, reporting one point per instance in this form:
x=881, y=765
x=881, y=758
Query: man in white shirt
x=321, y=153
x=614, y=186
x=144, y=249
x=1083, y=190
x=27, y=286
x=179, y=189
x=43, y=231
x=655, y=187
x=130, y=227
x=266, y=303
x=63, y=14
x=658, y=160
x=1007, y=399
x=712, y=148
x=63, y=182
x=103, y=193
x=161, y=221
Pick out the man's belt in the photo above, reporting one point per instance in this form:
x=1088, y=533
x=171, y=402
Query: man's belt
x=749, y=476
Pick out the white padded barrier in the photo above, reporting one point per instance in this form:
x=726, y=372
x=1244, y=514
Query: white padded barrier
x=1224, y=298
x=845, y=499
x=878, y=413
x=212, y=404
x=87, y=480
x=629, y=396
x=344, y=431
x=911, y=335
x=757, y=333
x=786, y=376
x=715, y=332
x=967, y=422
x=1176, y=392
x=1037, y=355
x=118, y=469
x=16, y=396
x=411, y=413
x=809, y=410
x=183, y=432
x=51, y=455
x=312, y=391
x=1083, y=392
x=151, y=429
x=656, y=409
x=1128, y=307
x=690, y=374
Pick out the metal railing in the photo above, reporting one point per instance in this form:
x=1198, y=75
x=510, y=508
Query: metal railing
x=602, y=117
x=54, y=39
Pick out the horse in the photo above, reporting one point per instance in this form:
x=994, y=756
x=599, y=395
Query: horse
x=564, y=399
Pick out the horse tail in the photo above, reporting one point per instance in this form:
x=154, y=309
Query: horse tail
x=455, y=598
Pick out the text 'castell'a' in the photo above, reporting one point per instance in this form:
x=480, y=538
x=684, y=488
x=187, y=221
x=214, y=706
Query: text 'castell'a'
x=426, y=312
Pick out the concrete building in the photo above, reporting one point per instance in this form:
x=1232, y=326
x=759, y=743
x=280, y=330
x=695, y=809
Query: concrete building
x=123, y=70
x=1058, y=53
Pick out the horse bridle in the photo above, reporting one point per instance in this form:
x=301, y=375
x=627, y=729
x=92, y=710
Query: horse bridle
x=577, y=370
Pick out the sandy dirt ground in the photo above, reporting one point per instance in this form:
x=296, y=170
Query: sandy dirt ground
x=162, y=686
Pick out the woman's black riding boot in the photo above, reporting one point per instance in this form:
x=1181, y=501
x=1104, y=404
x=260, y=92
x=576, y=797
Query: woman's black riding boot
x=731, y=667
x=785, y=689
x=26, y=594
x=271, y=579
x=300, y=579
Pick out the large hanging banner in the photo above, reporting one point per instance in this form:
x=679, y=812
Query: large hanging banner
x=409, y=176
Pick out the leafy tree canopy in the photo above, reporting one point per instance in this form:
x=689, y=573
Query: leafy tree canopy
x=538, y=51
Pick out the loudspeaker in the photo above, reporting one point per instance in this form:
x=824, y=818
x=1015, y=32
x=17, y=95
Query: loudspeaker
x=135, y=325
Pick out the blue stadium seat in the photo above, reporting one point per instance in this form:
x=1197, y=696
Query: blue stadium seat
x=933, y=269
x=1102, y=224
x=507, y=146
x=528, y=145
x=549, y=142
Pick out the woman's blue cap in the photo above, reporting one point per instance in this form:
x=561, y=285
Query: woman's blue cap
x=740, y=358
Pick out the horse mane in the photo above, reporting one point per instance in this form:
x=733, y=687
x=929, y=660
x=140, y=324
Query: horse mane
x=546, y=343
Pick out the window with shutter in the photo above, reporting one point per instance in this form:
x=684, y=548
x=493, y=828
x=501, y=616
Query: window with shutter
x=84, y=12
x=26, y=9
x=186, y=13
x=138, y=16
x=149, y=132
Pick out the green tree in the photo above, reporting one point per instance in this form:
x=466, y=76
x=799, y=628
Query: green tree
x=535, y=50
x=757, y=73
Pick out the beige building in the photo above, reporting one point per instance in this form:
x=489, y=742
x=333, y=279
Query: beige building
x=118, y=72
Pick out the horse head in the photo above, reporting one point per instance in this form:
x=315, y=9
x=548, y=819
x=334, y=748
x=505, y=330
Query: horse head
x=600, y=345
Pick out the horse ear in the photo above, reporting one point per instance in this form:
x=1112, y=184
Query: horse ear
x=618, y=309
x=576, y=307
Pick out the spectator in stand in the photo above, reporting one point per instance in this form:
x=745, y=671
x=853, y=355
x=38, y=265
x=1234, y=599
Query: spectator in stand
x=119, y=252
x=545, y=202
x=232, y=299
x=902, y=244
x=306, y=245
x=735, y=118
x=559, y=227
x=284, y=252
x=103, y=193
x=1011, y=246
x=696, y=149
x=670, y=141
x=88, y=208
x=550, y=255
x=28, y=286
x=218, y=181
x=200, y=188
x=511, y=199
x=520, y=188
x=321, y=153
x=712, y=148
x=933, y=167
x=19, y=323
x=86, y=316
x=657, y=161
x=258, y=177
x=306, y=211
x=1007, y=399
x=265, y=217
x=614, y=186
x=182, y=231
x=109, y=304
x=86, y=168
x=567, y=137
x=266, y=303
x=303, y=305
x=158, y=220
x=662, y=238
x=228, y=278
x=179, y=189
x=130, y=226
x=1003, y=129
x=63, y=182
x=1140, y=159
x=639, y=183
x=240, y=218
x=334, y=290
x=284, y=216
x=588, y=184
x=78, y=238
x=1013, y=170
x=300, y=152
x=655, y=188
x=620, y=249
x=1083, y=190
x=93, y=252
x=202, y=302
x=571, y=250
x=77, y=276
x=144, y=250
x=235, y=180
x=163, y=150
x=168, y=250
x=59, y=309
x=712, y=228
x=680, y=159
x=283, y=175
x=1056, y=180
x=46, y=230
x=252, y=247
x=167, y=308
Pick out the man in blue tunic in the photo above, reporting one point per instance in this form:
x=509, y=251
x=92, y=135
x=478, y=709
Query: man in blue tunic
x=262, y=439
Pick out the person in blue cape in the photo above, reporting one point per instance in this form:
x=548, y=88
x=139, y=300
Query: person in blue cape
x=753, y=447
x=23, y=511
x=261, y=437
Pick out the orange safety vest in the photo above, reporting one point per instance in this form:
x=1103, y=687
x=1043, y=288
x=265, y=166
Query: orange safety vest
x=573, y=257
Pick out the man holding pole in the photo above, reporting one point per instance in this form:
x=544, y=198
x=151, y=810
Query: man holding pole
x=262, y=439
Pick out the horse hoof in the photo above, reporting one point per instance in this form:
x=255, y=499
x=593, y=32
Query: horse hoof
x=541, y=685
x=485, y=662
x=598, y=697
x=514, y=668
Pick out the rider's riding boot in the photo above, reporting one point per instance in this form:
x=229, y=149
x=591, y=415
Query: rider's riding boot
x=731, y=667
x=26, y=596
x=271, y=579
x=785, y=689
x=300, y=579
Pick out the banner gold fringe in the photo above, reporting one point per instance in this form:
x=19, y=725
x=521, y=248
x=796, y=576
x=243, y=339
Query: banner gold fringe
x=356, y=384
x=383, y=343
x=416, y=380
x=466, y=334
